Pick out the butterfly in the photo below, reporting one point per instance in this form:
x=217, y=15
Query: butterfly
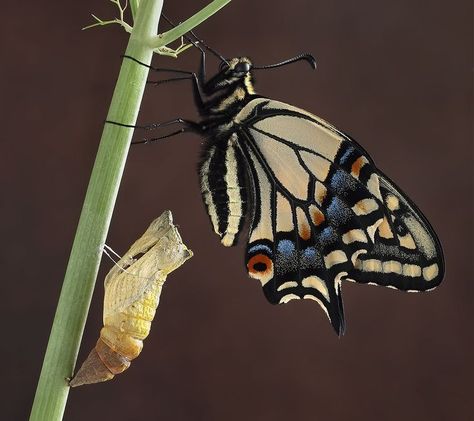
x=320, y=212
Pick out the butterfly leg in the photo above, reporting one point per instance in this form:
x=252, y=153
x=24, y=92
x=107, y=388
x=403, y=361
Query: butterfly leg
x=196, y=42
x=187, y=126
x=161, y=82
x=198, y=80
x=199, y=96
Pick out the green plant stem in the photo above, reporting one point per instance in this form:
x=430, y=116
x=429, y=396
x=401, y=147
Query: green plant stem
x=71, y=313
x=134, y=7
x=78, y=285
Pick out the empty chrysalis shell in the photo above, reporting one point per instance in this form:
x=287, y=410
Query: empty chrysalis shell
x=132, y=293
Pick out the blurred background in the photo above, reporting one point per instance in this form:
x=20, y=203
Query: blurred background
x=396, y=75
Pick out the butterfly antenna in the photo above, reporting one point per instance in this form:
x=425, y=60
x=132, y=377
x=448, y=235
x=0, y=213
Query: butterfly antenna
x=307, y=57
x=197, y=41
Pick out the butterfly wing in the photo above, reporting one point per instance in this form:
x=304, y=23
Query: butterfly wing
x=321, y=212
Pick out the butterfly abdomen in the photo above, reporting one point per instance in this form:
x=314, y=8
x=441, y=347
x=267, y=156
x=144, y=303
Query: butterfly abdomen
x=223, y=187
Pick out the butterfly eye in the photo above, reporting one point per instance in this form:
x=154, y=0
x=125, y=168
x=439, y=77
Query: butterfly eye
x=242, y=67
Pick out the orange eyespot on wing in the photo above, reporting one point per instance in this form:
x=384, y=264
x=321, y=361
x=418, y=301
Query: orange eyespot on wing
x=259, y=265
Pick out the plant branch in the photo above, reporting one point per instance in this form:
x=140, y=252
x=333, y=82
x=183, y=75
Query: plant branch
x=161, y=40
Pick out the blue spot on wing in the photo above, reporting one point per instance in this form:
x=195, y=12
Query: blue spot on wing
x=286, y=258
x=327, y=236
x=346, y=155
x=309, y=253
x=342, y=182
x=260, y=247
x=286, y=247
x=338, y=212
x=310, y=258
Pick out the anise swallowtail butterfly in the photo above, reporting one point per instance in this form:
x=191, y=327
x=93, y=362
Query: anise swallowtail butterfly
x=320, y=211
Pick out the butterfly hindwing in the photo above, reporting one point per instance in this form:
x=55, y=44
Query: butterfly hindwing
x=281, y=253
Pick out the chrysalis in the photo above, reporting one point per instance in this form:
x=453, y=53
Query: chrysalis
x=132, y=292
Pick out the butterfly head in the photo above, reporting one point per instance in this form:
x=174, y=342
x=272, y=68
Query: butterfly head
x=237, y=67
x=234, y=72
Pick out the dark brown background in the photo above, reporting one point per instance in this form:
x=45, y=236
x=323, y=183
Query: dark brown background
x=394, y=74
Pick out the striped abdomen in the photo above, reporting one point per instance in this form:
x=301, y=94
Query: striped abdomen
x=223, y=188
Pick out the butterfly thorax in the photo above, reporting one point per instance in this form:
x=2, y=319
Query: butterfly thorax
x=231, y=89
